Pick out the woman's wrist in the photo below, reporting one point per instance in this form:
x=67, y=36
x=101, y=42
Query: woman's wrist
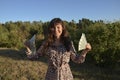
x=84, y=55
x=87, y=50
x=84, y=52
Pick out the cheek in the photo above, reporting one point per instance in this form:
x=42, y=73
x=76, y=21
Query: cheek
x=60, y=31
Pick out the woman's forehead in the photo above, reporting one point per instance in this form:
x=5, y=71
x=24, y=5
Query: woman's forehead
x=57, y=24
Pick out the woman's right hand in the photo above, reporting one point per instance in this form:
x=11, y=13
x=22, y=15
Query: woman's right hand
x=28, y=52
x=27, y=45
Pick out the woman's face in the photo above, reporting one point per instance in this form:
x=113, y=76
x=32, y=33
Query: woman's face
x=58, y=30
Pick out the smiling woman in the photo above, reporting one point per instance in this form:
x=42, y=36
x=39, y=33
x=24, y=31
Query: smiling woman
x=59, y=49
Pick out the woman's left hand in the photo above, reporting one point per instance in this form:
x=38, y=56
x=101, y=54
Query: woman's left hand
x=88, y=47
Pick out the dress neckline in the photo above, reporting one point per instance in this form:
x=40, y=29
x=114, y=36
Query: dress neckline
x=54, y=45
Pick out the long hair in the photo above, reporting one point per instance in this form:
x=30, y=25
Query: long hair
x=64, y=38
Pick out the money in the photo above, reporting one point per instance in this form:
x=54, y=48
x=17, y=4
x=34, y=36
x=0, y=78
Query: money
x=32, y=46
x=82, y=42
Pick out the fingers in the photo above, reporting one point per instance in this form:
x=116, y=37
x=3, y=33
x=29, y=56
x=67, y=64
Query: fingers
x=88, y=47
x=28, y=52
x=27, y=45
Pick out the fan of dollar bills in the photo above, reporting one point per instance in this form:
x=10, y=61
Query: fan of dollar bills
x=82, y=42
x=32, y=47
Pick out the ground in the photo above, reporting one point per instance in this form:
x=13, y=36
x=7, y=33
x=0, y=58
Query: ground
x=14, y=65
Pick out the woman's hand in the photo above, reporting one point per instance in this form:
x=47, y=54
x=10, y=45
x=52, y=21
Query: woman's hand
x=27, y=45
x=28, y=52
x=88, y=47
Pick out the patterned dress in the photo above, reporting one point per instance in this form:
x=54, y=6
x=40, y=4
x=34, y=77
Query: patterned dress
x=58, y=62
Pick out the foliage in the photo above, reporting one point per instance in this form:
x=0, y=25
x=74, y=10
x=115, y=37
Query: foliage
x=105, y=41
x=104, y=37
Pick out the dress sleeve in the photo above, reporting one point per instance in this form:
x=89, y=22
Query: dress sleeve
x=39, y=52
x=77, y=58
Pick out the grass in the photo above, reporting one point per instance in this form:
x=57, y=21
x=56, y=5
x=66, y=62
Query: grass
x=14, y=65
x=88, y=71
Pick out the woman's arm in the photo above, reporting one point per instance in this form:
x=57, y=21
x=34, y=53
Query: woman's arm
x=38, y=53
x=80, y=58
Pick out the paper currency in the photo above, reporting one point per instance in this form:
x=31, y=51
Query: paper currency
x=82, y=42
x=32, y=48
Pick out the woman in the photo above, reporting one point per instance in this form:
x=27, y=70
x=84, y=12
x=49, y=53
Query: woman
x=59, y=49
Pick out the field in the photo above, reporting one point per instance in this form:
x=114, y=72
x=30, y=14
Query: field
x=14, y=65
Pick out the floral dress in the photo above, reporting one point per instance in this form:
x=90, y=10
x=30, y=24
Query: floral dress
x=58, y=62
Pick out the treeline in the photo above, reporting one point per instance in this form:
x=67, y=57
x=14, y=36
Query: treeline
x=103, y=37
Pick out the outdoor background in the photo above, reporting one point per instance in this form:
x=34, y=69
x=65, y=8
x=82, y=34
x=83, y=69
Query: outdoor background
x=99, y=20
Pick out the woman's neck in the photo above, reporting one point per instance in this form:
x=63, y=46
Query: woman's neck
x=57, y=42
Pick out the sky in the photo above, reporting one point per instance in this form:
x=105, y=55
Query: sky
x=45, y=10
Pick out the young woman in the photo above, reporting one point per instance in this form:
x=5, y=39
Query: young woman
x=59, y=49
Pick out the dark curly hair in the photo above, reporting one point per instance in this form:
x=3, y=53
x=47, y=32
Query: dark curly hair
x=64, y=38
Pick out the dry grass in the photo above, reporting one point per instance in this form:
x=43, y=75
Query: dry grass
x=15, y=66
x=87, y=71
